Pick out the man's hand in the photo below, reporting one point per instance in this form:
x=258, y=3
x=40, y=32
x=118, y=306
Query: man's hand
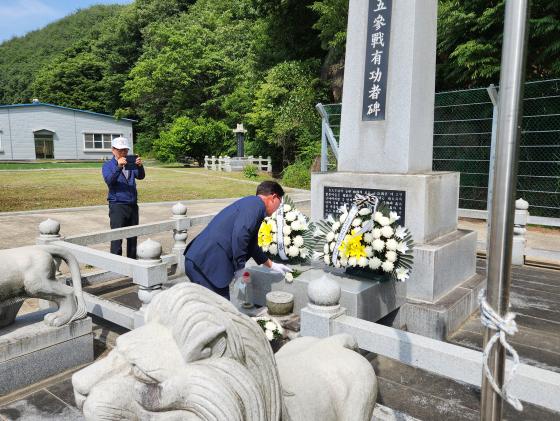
x=121, y=161
x=280, y=268
x=138, y=161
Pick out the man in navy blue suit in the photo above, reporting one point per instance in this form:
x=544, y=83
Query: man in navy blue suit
x=218, y=254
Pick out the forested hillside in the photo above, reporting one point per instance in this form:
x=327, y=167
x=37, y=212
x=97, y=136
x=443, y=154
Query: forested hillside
x=189, y=70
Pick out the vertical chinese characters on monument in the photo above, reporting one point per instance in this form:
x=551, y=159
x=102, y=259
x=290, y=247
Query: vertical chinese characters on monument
x=377, y=59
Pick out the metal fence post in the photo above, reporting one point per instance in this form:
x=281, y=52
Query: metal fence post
x=504, y=191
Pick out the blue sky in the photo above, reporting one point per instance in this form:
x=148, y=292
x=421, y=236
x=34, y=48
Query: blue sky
x=17, y=17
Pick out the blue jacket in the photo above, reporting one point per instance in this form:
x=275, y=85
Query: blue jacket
x=121, y=190
x=228, y=241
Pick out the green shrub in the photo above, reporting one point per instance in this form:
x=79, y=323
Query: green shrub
x=251, y=171
x=297, y=175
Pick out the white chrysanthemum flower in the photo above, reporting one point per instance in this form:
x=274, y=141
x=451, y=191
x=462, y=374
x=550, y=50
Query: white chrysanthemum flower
x=353, y=261
x=289, y=277
x=327, y=259
x=387, y=231
x=364, y=211
x=376, y=233
x=357, y=222
x=331, y=247
x=402, y=247
x=330, y=219
x=270, y=326
x=273, y=227
x=304, y=253
x=368, y=238
x=296, y=226
x=265, y=248
x=374, y=263
x=369, y=251
x=336, y=226
x=378, y=245
x=287, y=240
x=298, y=241
x=273, y=249
x=343, y=262
x=377, y=217
x=384, y=221
x=391, y=244
x=274, y=238
x=293, y=251
x=269, y=335
x=362, y=262
x=326, y=248
x=286, y=230
x=400, y=232
x=343, y=217
x=287, y=208
x=273, y=216
x=402, y=274
x=330, y=236
x=393, y=216
x=291, y=216
x=391, y=256
x=337, y=264
x=387, y=266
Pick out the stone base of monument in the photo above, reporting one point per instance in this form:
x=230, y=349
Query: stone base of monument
x=31, y=351
x=363, y=298
x=443, y=280
x=439, y=319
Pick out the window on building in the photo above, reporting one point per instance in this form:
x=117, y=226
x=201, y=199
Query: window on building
x=99, y=141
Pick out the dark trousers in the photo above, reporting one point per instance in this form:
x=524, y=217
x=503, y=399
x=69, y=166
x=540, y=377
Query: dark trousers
x=123, y=215
x=196, y=276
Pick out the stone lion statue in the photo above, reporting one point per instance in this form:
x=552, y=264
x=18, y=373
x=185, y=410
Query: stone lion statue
x=30, y=272
x=198, y=358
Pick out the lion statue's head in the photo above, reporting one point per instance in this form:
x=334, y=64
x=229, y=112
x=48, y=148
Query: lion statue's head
x=196, y=358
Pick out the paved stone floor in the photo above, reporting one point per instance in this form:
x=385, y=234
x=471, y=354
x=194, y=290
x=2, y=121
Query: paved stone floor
x=414, y=392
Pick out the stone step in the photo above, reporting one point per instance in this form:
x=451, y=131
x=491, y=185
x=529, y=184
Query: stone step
x=428, y=397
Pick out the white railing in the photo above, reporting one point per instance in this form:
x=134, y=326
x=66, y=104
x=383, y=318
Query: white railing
x=150, y=271
x=229, y=164
x=531, y=384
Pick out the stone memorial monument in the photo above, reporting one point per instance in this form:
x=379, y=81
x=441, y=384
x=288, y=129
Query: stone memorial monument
x=386, y=144
x=198, y=358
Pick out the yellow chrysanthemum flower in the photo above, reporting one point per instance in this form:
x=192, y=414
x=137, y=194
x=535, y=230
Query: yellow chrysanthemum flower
x=265, y=234
x=352, y=246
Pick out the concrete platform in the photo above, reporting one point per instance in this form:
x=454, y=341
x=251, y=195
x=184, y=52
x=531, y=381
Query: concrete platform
x=31, y=351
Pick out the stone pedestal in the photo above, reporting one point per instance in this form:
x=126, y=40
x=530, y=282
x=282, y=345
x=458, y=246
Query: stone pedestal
x=31, y=351
x=365, y=299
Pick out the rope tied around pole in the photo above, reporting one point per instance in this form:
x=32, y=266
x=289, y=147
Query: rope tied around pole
x=503, y=326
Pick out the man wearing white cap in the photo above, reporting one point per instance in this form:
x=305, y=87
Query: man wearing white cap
x=122, y=197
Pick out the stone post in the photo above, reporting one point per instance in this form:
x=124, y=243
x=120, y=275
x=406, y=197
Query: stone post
x=519, y=231
x=269, y=165
x=148, y=252
x=206, y=163
x=180, y=235
x=49, y=231
x=323, y=307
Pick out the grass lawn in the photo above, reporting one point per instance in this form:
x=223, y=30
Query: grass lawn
x=28, y=190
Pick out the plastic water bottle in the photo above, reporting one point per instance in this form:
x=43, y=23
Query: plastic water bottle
x=246, y=280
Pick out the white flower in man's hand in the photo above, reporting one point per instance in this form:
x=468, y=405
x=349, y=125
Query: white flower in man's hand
x=269, y=334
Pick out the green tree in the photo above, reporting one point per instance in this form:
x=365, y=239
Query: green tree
x=283, y=113
x=193, y=138
x=470, y=42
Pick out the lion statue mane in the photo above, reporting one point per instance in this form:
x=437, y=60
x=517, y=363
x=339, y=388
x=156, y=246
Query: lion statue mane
x=198, y=358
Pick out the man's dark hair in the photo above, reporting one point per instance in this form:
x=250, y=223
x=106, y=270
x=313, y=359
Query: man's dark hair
x=266, y=188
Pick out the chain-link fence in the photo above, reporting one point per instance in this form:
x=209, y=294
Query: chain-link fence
x=462, y=140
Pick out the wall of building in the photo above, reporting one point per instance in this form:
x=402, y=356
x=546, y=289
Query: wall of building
x=18, y=125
